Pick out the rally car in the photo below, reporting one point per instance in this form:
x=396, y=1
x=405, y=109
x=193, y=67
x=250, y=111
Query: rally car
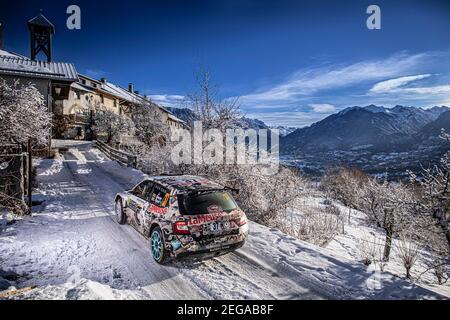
x=183, y=215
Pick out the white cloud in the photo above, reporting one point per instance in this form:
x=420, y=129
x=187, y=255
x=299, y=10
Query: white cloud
x=437, y=90
x=323, y=108
x=167, y=100
x=307, y=82
x=392, y=84
x=395, y=89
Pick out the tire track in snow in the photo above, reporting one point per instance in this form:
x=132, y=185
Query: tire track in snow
x=79, y=211
x=250, y=279
x=138, y=261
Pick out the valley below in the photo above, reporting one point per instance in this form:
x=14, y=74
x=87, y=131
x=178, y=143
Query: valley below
x=392, y=165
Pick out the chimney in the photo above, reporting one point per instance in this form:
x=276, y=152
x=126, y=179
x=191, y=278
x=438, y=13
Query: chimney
x=103, y=80
x=130, y=87
x=136, y=92
x=1, y=36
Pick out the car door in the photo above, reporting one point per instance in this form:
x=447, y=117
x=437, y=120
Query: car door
x=138, y=204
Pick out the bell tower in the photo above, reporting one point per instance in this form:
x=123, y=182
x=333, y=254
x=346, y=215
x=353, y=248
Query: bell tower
x=41, y=31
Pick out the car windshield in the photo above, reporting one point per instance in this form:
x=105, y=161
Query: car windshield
x=210, y=202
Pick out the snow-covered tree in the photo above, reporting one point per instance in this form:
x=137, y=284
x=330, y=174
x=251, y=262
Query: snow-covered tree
x=388, y=205
x=148, y=124
x=342, y=184
x=433, y=194
x=23, y=114
x=263, y=197
x=111, y=125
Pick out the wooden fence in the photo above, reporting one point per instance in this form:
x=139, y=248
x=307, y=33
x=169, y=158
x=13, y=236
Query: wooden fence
x=15, y=176
x=117, y=155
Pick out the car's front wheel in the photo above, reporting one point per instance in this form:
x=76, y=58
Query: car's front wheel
x=158, y=249
x=120, y=216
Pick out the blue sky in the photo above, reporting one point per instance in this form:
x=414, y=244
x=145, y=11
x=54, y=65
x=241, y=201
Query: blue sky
x=290, y=62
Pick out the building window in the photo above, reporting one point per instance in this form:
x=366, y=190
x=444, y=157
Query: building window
x=94, y=85
x=77, y=95
x=102, y=98
x=83, y=81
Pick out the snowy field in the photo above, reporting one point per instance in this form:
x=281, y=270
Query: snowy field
x=71, y=248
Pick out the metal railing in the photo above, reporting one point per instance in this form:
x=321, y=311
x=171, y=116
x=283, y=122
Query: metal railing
x=117, y=155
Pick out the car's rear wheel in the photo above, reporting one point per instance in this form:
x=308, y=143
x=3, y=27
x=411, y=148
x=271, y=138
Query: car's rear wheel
x=157, y=247
x=120, y=216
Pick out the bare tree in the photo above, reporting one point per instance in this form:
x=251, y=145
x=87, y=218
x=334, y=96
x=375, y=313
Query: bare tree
x=408, y=250
x=208, y=107
x=370, y=251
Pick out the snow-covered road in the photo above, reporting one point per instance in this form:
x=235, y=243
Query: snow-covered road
x=73, y=248
x=73, y=235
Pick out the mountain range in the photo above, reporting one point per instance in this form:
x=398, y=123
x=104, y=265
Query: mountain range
x=372, y=127
x=376, y=139
x=354, y=128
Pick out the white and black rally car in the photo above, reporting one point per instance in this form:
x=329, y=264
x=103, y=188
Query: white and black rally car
x=183, y=215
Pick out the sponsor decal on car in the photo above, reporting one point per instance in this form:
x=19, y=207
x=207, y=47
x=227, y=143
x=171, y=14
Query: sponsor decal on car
x=205, y=218
x=156, y=210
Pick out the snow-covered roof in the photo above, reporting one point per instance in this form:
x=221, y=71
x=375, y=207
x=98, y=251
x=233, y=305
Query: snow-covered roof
x=172, y=117
x=20, y=66
x=133, y=97
x=10, y=54
x=121, y=92
x=79, y=86
x=42, y=21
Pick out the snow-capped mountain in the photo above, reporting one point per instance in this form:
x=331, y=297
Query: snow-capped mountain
x=185, y=114
x=283, y=130
x=363, y=127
